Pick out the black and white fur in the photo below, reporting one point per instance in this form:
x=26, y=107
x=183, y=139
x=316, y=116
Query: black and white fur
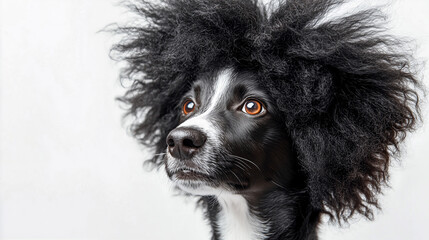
x=245, y=158
x=338, y=96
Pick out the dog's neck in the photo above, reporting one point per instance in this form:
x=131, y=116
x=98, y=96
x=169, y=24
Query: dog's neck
x=276, y=215
x=236, y=221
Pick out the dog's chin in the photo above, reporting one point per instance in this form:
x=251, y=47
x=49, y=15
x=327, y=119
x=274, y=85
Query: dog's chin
x=199, y=184
x=193, y=182
x=198, y=188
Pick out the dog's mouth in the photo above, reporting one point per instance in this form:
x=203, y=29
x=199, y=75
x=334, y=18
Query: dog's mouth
x=192, y=175
x=195, y=175
x=189, y=175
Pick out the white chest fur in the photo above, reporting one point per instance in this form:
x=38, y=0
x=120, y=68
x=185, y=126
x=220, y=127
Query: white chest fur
x=236, y=221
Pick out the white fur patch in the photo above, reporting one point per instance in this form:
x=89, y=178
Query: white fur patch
x=202, y=121
x=235, y=220
x=222, y=84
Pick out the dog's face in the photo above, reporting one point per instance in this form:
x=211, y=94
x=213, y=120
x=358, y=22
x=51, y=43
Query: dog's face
x=229, y=137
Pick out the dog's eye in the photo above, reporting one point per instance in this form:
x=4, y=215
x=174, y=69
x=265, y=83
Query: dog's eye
x=188, y=107
x=253, y=107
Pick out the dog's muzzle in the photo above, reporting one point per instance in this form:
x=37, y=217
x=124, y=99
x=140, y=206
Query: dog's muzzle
x=183, y=142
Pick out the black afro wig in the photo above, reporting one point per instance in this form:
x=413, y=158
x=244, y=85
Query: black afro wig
x=346, y=92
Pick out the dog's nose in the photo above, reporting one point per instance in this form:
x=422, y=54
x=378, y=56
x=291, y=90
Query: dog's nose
x=184, y=142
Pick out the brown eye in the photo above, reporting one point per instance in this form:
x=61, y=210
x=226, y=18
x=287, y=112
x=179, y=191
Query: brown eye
x=188, y=107
x=253, y=107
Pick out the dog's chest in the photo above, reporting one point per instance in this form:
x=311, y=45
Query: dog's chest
x=237, y=222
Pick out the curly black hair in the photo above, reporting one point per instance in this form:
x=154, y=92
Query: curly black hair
x=346, y=90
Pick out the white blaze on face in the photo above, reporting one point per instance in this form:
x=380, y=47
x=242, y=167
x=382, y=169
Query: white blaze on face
x=202, y=121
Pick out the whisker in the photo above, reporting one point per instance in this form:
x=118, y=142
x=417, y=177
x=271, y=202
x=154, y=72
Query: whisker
x=277, y=184
x=240, y=165
x=245, y=159
x=237, y=178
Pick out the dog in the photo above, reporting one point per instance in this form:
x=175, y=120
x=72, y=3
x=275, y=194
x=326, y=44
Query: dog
x=272, y=117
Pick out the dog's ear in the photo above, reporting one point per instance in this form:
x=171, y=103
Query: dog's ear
x=167, y=47
x=348, y=97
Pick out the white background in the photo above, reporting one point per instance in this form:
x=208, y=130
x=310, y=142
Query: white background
x=68, y=170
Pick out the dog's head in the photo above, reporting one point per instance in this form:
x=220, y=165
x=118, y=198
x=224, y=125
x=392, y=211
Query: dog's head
x=230, y=136
x=232, y=96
